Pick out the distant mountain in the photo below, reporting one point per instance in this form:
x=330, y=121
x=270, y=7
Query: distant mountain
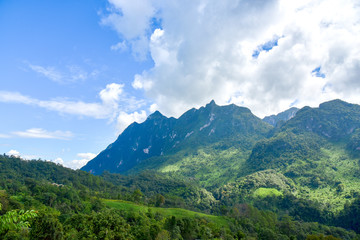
x=334, y=120
x=315, y=152
x=161, y=136
x=318, y=149
x=283, y=116
x=335, y=124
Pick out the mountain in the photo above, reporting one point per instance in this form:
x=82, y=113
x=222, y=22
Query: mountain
x=334, y=120
x=283, y=116
x=318, y=149
x=216, y=145
x=160, y=137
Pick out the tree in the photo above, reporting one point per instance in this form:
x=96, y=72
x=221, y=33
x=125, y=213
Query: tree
x=160, y=200
x=47, y=226
x=15, y=220
x=137, y=195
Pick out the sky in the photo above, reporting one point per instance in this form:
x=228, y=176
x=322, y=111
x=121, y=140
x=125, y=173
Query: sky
x=75, y=74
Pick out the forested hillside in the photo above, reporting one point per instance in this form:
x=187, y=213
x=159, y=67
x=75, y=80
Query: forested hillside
x=76, y=205
x=214, y=173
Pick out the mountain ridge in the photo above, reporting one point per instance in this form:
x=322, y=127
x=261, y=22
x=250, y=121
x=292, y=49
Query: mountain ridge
x=159, y=135
x=216, y=145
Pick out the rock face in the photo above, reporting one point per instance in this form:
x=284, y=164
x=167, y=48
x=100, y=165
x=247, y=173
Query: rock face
x=283, y=116
x=160, y=135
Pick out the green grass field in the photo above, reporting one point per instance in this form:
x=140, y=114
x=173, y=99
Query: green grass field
x=264, y=192
x=177, y=212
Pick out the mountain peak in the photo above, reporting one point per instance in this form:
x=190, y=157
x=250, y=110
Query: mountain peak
x=211, y=104
x=156, y=115
x=335, y=102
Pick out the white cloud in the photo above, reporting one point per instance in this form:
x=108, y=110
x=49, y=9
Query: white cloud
x=15, y=97
x=4, y=135
x=204, y=50
x=124, y=119
x=13, y=153
x=30, y=157
x=78, y=163
x=42, y=133
x=16, y=153
x=120, y=46
x=48, y=72
x=131, y=20
x=141, y=83
x=58, y=161
x=69, y=74
x=113, y=99
x=87, y=156
x=111, y=94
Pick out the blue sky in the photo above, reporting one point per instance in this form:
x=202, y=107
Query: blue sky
x=58, y=50
x=74, y=74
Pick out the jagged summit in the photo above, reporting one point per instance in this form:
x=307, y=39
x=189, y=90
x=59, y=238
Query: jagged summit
x=211, y=104
x=155, y=115
x=161, y=136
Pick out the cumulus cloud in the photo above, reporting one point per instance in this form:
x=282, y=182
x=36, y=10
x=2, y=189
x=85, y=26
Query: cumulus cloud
x=125, y=119
x=58, y=161
x=13, y=153
x=111, y=94
x=259, y=54
x=78, y=163
x=16, y=153
x=42, y=133
x=131, y=20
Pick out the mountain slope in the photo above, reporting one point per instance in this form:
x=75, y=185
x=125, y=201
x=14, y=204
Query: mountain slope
x=317, y=149
x=335, y=120
x=159, y=137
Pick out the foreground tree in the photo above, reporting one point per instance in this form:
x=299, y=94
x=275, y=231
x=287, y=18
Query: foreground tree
x=15, y=220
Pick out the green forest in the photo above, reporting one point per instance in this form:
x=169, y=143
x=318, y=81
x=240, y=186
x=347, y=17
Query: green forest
x=43, y=200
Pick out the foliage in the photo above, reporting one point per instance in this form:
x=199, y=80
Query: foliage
x=15, y=220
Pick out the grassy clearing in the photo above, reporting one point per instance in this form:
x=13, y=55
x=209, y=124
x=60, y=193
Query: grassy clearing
x=265, y=192
x=177, y=212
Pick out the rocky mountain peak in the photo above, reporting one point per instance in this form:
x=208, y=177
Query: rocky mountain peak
x=211, y=104
x=156, y=115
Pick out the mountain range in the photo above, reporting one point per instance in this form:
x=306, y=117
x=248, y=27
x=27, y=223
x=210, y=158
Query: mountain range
x=160, y=136
x=311, y=150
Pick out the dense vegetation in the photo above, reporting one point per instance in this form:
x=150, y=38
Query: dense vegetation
x=214, y=173
x=71, y=205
